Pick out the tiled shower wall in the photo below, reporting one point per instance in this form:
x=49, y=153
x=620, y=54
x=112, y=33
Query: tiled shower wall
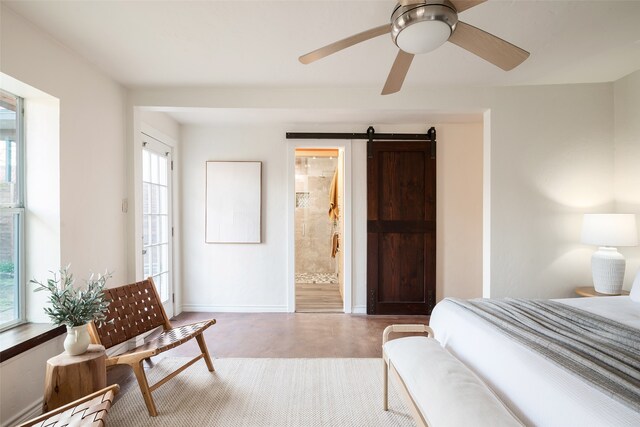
x=313, y=228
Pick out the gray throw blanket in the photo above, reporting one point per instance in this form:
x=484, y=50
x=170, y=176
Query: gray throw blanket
x=602, y=352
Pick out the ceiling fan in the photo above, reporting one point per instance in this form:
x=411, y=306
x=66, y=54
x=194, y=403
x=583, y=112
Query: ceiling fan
x=420, y=26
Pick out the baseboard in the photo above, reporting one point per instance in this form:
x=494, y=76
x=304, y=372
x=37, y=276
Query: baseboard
x=235, y=308
x=28, y=413
x=116, y=349
x=359, y=309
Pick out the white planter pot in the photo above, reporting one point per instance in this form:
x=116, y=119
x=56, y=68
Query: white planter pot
x=77, y=340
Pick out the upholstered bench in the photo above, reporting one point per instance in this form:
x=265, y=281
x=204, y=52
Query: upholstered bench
x=438, y=388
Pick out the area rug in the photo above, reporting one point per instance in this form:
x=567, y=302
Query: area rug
x=266, y=392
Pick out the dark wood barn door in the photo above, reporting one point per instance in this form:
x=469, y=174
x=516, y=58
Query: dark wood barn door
x=401, y=246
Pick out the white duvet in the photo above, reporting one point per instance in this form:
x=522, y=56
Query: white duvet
x=539, y=392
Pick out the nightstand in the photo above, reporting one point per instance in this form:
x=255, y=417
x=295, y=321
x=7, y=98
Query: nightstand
x=589, y=291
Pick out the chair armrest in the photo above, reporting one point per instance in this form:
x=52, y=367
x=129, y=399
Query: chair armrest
x=128, y=358
x=405, y=328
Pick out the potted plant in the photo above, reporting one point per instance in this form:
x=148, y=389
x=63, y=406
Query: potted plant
x=75, y=307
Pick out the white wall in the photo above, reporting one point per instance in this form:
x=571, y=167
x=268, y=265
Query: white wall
x=550, y=152
x=224, y=277
x=22, y=382
x=234, y=277
x=91, y=181
x=627, y=159
x=551, y=161
x=162, y=124
x=42, y=199
x=459, y=210
x=92, y=145
x=359, y=224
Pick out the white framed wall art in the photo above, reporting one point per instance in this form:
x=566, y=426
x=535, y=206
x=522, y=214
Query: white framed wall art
x=233, y=202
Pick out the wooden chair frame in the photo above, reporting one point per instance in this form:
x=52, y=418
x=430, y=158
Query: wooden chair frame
x=90, y=410
x=135, y=309
x=388, y=367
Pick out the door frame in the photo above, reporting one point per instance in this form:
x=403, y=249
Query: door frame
x=148, y=132
x=346, y=243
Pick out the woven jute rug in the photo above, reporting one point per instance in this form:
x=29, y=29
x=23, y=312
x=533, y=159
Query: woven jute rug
x=266, y=392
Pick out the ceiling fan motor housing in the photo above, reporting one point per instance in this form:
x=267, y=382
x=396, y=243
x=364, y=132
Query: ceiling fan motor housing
x=422, y=27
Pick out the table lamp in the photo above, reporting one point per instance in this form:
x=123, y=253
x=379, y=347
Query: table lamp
x=609, y=231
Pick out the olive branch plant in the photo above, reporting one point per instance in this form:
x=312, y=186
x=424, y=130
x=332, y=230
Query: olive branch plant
x=73, y=306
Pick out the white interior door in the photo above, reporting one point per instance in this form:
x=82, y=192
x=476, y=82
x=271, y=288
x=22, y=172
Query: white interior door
x=156, y=218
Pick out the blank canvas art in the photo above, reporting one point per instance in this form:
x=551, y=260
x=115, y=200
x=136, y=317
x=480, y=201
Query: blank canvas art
x=233, y=199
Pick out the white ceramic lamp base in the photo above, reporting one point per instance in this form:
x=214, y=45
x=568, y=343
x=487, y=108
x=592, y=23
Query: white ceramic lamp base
x=607, y=266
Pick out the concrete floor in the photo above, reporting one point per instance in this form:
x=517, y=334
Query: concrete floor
x=279, y=335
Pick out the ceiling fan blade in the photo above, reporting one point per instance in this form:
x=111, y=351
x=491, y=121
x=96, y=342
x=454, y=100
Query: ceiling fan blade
x=488, y=47
x=344, y=43
x=398, y=72
x=462, y=5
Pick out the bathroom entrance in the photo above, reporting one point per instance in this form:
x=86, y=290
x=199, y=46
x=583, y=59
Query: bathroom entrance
x=319, y=230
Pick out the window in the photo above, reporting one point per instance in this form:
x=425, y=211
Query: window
x=156, y=217
x=11, y=211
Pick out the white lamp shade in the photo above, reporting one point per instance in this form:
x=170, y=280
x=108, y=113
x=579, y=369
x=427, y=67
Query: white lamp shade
x=610, y=230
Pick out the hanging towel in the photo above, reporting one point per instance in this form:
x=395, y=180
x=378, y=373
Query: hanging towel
x=333, y=198
x=335, y=244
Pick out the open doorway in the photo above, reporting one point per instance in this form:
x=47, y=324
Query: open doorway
x=319, y=230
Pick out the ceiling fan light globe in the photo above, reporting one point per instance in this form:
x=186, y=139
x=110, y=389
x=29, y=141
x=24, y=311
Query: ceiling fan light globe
x=422, y=27
x=423, y=37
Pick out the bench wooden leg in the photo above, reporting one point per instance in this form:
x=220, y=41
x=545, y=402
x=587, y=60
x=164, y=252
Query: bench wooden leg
x=205, y=352
x=385, y=392
x=138, y=369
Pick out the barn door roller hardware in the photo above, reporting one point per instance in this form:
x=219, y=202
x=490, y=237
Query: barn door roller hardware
x=371, y=136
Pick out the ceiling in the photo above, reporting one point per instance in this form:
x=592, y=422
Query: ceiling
x=257, y=43
x=285, y=116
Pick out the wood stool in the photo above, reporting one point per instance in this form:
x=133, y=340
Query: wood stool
x=69, y=378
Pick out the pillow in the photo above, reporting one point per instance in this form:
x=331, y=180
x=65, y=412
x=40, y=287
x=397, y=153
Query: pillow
x=635, y=288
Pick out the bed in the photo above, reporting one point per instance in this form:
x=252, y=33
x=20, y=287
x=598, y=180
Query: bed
x=538, y=391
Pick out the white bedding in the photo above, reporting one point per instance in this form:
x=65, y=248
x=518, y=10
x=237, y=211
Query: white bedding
x=539, y=392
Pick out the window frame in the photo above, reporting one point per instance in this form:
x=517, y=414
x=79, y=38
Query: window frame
x=161, y=149
x=18, y=209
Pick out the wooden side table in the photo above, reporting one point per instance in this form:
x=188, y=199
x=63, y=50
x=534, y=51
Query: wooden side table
x=589, y=291
x=71, y=377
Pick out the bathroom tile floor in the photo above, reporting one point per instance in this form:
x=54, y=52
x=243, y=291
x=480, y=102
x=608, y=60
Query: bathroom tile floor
x=316, y=278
